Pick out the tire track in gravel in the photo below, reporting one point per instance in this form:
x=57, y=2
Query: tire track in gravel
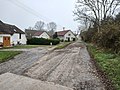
x=44, y=70
x=22, y=62
x=69, y=67
x=63, y=70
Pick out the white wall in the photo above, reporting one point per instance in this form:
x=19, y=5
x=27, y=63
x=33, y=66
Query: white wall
x=43, y=35
x=61, y=37
x=66, y=36
x=16, y=38
x=23, y=39
x=1, y=39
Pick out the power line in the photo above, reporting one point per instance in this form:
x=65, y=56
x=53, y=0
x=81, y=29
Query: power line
x=30, y=10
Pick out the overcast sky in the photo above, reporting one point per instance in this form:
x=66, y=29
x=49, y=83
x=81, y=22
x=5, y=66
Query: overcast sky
x=25, y=13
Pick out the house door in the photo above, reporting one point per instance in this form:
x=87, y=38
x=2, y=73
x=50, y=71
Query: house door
x=6, y=41
x=73, y=39
x=68, y=39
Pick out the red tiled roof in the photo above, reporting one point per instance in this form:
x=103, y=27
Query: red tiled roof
x=38, y=33
x=62, y=33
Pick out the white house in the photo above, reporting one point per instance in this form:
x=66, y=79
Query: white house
x=11, y=35
x=41, y=34
x=66, y=35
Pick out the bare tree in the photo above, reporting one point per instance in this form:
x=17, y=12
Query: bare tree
x=51, y=28
x=95, y=10
x=30, y=28
x=39, y=25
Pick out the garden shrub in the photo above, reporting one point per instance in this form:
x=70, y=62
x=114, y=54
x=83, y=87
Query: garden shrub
x=42, y=41
x=88, y=35
x=108, y=37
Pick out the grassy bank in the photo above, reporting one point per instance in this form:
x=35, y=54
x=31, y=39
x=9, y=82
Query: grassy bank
x=108, y=62
x=6, y=55
x=63, y=45
x=26, y=46
x=23, y=47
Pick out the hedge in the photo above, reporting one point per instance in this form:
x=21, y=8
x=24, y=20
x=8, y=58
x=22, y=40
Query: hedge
x=42, y=41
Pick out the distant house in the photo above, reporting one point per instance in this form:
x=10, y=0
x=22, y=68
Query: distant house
x=29, y=33
x=41, y=34
x=36, y=34
x=11, y=35
x=66, y=35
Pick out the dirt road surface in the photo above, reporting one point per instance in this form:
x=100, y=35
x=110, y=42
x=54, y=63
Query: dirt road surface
x=9, y=81
x=21, y=62
x=69, y=67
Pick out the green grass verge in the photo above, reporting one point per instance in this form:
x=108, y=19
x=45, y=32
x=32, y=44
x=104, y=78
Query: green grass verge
x=63, y=45
x=6, y=55
x=23, y=47
x=108, y=62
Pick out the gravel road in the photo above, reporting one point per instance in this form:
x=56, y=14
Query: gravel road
x=23, y=61
x=69, y=67
x=9, y=81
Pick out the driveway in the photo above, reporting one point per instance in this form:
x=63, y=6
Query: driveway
x=23, y=61
x=70, y=67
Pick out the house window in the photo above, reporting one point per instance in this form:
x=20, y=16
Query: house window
x=69, y=34
x=20, y=36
